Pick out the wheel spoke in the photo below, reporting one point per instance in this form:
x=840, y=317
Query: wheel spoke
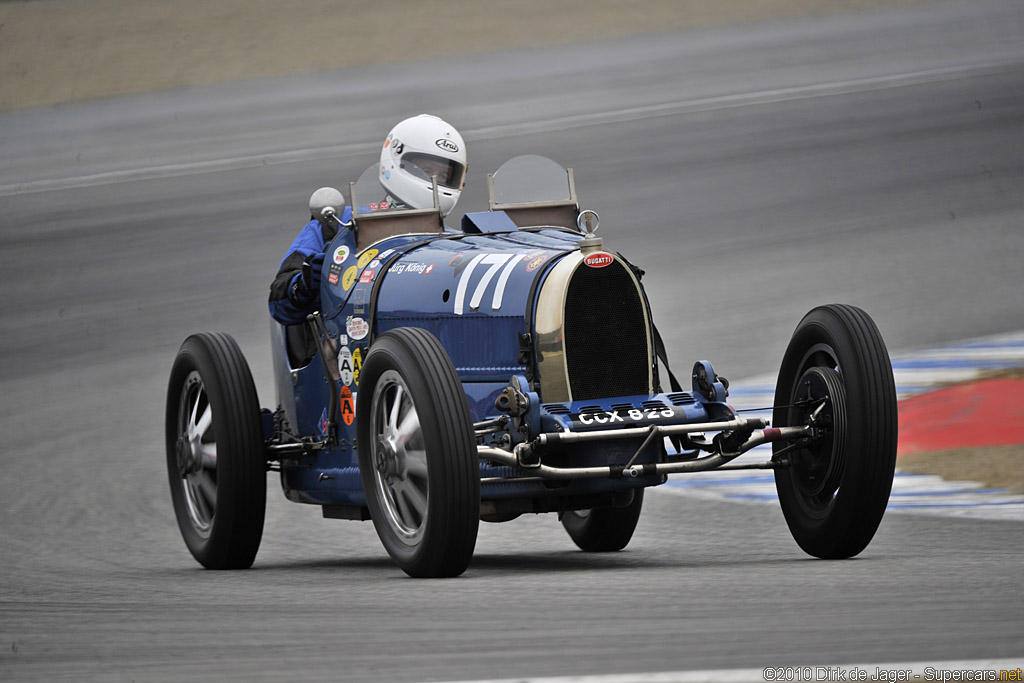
x=204, y=421
x=416, y=463
x=201, y=493
x=408, y=427
x=405, y=514
x=191, y=425
x=207, y=487
x=208, y=455
x=395, y=409
x=417, y=498
x=412, y=504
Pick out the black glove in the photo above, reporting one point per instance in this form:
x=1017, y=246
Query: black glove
x=306, y=285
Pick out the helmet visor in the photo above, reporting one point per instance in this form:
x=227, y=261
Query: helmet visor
x=449, y=173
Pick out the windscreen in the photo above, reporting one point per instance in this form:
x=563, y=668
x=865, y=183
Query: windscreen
x=530, y=178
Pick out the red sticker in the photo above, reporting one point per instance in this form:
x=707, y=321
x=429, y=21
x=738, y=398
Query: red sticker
x=367, y=276
x=348, y=409
x=598, y=259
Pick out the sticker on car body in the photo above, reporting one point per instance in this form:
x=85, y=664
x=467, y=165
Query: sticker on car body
x=359, y=299
x=347, y=407
x=411, y=267
x=345, y=365
x=349, y=278
x=367, y=256
x=357, y=365
x=357, y=328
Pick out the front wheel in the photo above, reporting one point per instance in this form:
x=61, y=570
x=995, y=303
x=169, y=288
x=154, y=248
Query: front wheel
x=417, y=454
x=836, y=375
x=604, y=529
x=215, y=452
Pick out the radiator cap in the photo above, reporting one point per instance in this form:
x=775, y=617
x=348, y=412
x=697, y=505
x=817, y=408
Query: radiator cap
x=588, y=221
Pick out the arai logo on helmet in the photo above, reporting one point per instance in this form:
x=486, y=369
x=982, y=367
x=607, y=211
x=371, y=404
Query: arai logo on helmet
x=447, y=145
x=598, y=259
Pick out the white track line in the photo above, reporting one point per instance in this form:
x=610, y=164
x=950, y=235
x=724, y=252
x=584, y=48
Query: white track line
x=548, y=125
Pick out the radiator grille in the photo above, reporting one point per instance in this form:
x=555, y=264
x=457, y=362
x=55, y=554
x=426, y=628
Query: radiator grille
x=605, y=334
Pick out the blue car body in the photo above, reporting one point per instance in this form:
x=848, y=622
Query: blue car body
x=482, y=292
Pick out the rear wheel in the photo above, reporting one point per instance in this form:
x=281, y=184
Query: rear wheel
x=836, y=375
x=417, y=454
x=604, y=529
x=215, y=452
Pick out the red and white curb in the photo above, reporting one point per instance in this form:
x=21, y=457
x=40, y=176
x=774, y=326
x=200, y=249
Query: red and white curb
x=916, y=372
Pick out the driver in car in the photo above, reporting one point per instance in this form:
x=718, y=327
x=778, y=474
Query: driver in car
x=417, y=149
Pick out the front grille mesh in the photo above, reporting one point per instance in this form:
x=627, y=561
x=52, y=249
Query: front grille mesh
x=605, y=334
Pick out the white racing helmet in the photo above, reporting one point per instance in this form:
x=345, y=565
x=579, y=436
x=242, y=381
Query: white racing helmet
x=416, y=149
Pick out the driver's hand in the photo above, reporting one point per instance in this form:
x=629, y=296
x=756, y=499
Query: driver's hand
x=306, y=285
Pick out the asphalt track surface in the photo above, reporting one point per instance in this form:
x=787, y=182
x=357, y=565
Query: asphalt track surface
x=753, y=171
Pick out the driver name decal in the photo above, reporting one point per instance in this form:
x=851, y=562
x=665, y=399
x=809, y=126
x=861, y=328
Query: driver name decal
x=411, y=267
x=599, y=259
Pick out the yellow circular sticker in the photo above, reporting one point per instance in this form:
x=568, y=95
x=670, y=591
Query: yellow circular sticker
x=367, y=256
x=349, y=278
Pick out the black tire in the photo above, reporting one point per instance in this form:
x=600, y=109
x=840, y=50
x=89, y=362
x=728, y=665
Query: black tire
x=425, y=499
x=835, y=492
x=215, y=452
x=604, y=530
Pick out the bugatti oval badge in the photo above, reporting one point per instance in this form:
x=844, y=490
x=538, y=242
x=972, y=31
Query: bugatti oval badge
x=447, y=145
x=599, y=259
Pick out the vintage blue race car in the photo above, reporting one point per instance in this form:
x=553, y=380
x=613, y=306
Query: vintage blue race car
x=511, y=367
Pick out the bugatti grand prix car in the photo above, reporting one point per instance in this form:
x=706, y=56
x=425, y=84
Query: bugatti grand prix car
x=510, y=367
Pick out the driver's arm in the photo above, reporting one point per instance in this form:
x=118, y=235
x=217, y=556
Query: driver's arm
x=294, y=295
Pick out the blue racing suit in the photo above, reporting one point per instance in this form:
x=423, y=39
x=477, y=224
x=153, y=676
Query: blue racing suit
x=286, y=305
